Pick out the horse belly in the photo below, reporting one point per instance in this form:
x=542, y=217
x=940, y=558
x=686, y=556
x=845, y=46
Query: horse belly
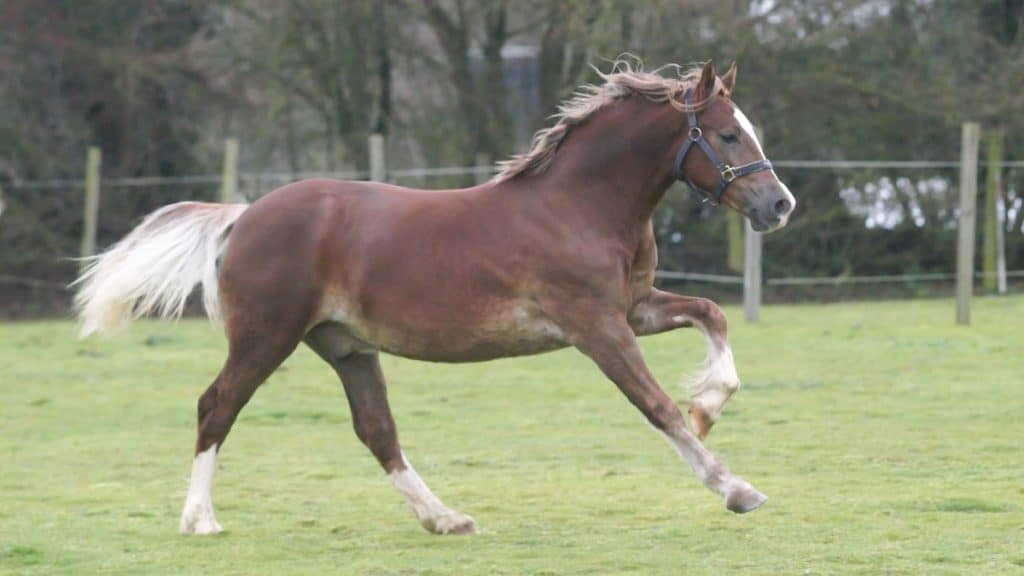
x=515, y=330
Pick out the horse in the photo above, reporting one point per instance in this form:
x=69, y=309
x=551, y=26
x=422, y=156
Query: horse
x=557, y=250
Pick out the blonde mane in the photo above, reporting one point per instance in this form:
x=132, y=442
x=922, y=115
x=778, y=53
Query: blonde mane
x=625, y=79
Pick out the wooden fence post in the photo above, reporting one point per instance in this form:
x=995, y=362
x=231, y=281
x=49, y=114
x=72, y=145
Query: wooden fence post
x=1000, y=244
x=969, y=136
x=752, y=275
x=90, y=215
x=734, y=232
x=752, y=243
x=378, y=159
x=990, y=220
x=229, y=177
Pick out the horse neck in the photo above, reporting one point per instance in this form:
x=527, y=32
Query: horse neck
x=618, y=164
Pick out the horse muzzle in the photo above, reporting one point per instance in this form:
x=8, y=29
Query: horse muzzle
x=772, y=211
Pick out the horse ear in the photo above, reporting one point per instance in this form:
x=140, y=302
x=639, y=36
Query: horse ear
x=730, y=77
x=706, y=85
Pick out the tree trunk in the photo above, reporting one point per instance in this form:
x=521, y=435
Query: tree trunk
x=492, y=136
x=383, y=120
x=552, y=56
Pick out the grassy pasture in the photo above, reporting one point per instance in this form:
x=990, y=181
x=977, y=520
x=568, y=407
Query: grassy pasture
x=889, y=440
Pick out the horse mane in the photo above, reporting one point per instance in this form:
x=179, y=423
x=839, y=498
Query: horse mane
x=626, y=78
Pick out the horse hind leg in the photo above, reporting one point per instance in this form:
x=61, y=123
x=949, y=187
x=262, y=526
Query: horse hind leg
x=252, y=357
x=360, y=373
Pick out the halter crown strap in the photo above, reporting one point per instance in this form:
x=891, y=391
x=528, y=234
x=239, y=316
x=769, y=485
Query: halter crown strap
x=727, y=173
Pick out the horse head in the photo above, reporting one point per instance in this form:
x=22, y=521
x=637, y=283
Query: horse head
x=721, y=156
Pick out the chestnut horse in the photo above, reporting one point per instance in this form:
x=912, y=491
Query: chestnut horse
x=557, y=250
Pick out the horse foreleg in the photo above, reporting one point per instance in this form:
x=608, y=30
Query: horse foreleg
x=374, y=425
x=711, y=387
x=608, y=339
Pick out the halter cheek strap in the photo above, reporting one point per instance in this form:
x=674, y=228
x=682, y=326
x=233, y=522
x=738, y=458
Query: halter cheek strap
x=727, y=173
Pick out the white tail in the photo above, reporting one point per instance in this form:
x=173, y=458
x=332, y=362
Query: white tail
x=155, y=267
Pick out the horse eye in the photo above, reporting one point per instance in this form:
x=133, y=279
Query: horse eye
x=730, y=138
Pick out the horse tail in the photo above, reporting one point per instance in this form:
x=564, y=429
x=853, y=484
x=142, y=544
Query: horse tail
x=155, y=267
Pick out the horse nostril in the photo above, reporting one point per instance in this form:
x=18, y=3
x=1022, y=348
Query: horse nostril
x=782, y=207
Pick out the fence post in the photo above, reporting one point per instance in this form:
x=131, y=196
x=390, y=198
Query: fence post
x=734, y=233
x=229, y=177
x=483, y=168
x=969, y=136
x=751, y=261
x=752, y=275
x=990, y=221
x=1000, y=244
x=91, y=213
x=378, y=160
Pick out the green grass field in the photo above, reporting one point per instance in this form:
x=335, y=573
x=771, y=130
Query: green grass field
x=889, y=440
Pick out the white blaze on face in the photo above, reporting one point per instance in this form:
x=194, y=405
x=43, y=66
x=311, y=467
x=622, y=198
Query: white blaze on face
x=747, y=127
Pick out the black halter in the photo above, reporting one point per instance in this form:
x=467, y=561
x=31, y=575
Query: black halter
x=728, y=173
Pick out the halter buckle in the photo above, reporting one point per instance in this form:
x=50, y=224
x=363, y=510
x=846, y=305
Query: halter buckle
x=729, y=173
x=695, y=133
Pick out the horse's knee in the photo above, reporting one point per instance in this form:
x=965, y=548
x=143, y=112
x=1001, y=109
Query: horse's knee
x=712, y=317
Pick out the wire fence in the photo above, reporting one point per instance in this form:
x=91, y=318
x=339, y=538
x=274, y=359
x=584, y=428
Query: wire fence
x=445, y=171
x=682, y=227
x=826, y=280
x=251, y=178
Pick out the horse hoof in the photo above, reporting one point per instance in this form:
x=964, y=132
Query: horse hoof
x=454, y=523
x=202, y=527
x=745, y=499
x=199, y=520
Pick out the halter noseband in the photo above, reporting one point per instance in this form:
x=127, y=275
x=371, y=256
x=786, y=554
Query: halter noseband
x=727, y=172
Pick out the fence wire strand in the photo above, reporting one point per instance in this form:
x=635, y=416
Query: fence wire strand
x=255, y=178
x=445, y=171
